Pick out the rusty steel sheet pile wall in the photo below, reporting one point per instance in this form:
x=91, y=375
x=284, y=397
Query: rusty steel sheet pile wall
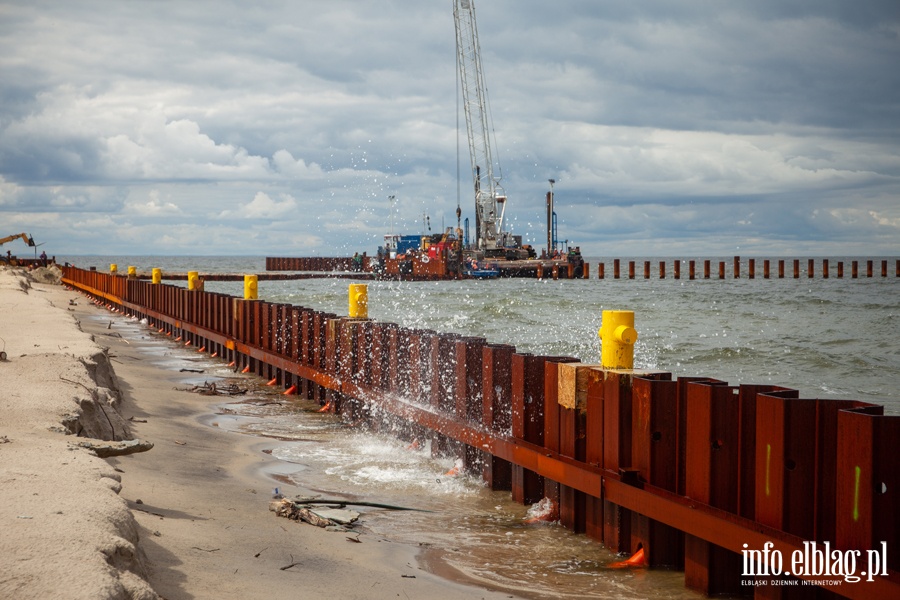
x=691, y=470
x=825, y=270
x=538, y=269
x=310, y=263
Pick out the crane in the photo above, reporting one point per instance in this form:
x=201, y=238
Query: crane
x=490, y=199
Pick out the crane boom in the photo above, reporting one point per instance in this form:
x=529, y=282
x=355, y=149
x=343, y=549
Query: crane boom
x=490, y=200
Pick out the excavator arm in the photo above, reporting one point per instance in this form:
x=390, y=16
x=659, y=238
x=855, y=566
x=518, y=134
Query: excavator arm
x=25, y=237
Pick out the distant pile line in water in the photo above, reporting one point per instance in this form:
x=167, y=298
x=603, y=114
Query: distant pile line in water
x=562, y=268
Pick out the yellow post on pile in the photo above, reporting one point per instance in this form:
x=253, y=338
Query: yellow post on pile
x=132, y=271
x=193, y=278
x=113, y=269
x=617, y=338
x=359, y=301
x=251, y=287
x=156, y=276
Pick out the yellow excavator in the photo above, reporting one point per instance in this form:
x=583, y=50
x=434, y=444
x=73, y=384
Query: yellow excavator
x=27, y=238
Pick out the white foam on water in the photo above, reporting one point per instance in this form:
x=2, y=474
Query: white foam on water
x=372, y=462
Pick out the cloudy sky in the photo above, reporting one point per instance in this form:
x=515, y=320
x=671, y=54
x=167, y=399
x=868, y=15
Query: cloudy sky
x=758, y=127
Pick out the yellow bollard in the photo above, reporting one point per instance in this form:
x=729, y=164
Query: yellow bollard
x=132, y=271
x=251, y=287
x=157, y=276
x=193, y=278
x=617, y=338
x=113, y=269
x=359, y=301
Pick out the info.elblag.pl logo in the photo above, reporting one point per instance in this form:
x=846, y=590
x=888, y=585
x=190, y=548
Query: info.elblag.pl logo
x=815, y=561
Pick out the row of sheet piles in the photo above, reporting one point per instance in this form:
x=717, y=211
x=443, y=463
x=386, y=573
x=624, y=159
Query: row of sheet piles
x=706, y=269
x=309, y=263
x=826, y=268
x=620, y=453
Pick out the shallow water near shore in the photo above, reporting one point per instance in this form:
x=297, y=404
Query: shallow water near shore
x=469, y=534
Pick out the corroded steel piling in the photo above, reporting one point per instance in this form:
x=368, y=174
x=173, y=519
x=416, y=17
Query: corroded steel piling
x=691, y=470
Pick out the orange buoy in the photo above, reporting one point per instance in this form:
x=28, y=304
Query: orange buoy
x=187, y=343
x=545, y=511
x=246, y=369
x=458, y=466
x=202, y=349
x=326, y=408
x=290, y=391
x=414, y=445
x=273, y=381
x=231, y=364
x=214, y=355
x=636, y=560
x=178, y=339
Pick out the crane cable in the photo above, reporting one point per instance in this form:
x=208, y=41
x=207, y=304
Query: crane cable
x=458, y=178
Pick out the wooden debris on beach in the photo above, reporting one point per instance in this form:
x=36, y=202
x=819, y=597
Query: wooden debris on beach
x=314, y=514
x=322, y=512
x=106, y=449
x=211, y=389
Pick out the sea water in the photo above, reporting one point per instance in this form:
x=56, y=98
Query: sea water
x=827, y=338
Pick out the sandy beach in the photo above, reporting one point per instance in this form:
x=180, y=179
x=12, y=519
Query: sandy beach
x=187, y=519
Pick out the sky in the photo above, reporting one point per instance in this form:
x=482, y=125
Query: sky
x=283, y=128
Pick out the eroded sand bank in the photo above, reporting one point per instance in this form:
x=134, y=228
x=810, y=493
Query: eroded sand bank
x=187, y=519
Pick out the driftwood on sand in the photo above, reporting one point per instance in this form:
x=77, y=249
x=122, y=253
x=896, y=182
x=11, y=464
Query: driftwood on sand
x=323, y=512
x=211, y=389
x=320, y=516
x=107, y=449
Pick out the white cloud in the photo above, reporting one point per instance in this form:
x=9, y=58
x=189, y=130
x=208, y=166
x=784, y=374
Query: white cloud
x=634, y=162
x=881, y=219
x=295, y=168
x=154, y=207
x=263, y=207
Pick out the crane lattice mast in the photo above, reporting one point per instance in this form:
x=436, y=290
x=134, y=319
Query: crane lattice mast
x=489, y=197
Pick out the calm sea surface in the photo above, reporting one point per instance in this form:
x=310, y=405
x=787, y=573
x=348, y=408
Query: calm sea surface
x=827, y=338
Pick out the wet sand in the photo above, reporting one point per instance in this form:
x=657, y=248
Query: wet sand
x=189, y=518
